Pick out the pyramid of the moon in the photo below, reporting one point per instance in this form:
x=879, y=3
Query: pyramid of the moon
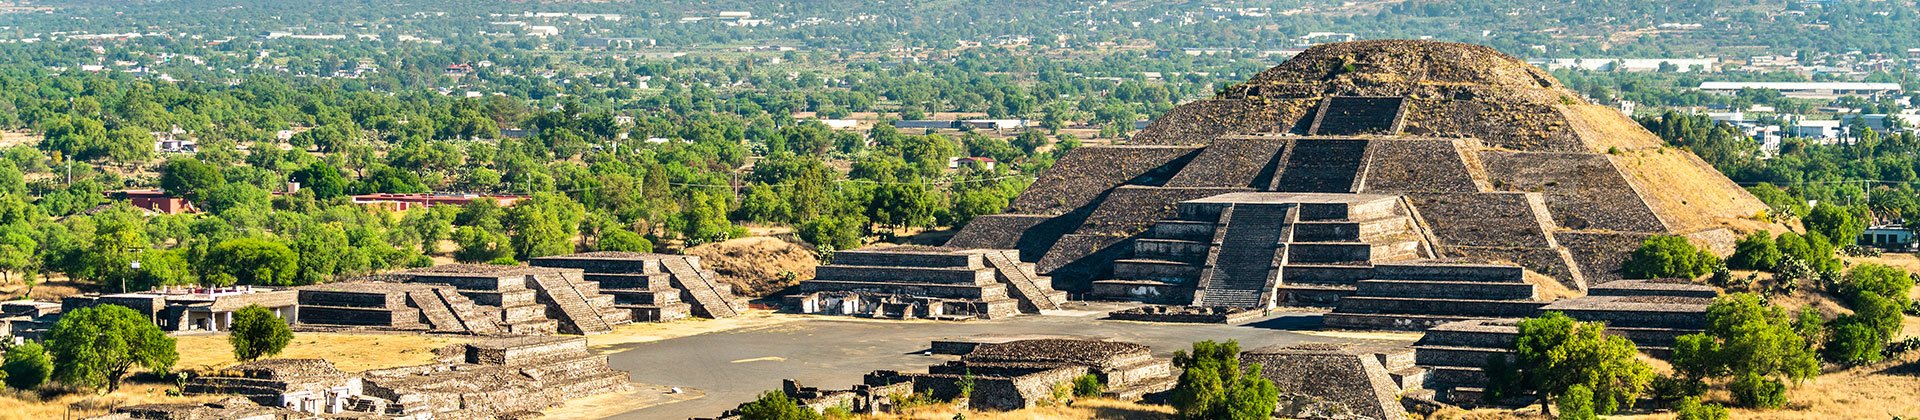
x=1359, y=159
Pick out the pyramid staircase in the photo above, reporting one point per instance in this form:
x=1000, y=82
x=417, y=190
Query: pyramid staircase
x=1315, y=165
x=577, y=310
x=1034, y=293
x=475, y=318
x=709, y=299
x=1263, y=249
x=1358, y=115
x=1240, y=267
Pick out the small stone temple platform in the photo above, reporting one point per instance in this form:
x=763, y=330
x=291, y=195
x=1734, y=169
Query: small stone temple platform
x=926, y=282
x=655, y=287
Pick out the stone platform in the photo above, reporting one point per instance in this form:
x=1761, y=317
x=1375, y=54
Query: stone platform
x=926, y=282
x=655, y=287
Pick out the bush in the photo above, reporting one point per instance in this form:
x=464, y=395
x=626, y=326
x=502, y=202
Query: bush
x=1888, y=282
x=27, y=366
x=1673, y=389
x=1757, y=251
x=1853, y=343
x=1577, y=404
x=1554, y=353
x=1692, y=409
x=1087, y=386
x=776, y=405
x=1213, y=385
x=1664, y=256
x=1753, y=390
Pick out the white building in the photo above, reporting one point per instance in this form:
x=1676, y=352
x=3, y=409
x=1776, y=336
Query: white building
x=1808, y=90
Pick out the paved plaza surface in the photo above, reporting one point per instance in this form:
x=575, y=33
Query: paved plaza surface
x=732, y=367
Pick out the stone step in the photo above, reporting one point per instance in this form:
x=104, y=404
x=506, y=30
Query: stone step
x=1446, y=289
x=1160, y=270
x=1650, y=337
x=1342, y=274
x=1450, y=272
x=1472, y=308
x=573, y=305
x=643, y=296
x=1473, y=357
x=992, y=291
x=1400, y=322
x=1410, y=377
x=1031, y=296
x=1454, y=377
x=659, y=281
x=438, y=316
x=707, y=298
x=1183, y=230
x=1350, y=230
x=1321, y=165
x=1192, y=252
x=1315, y=295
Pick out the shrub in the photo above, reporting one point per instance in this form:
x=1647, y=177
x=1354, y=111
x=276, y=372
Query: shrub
x=1692, y=409
x=1087, y=385
x=1888, y=282
x=1577, y=404
x=776, y=405
x=27, y=366
x=1668, y=256
x=1756, y=251
x=1213, y=385
x=1854, y=343
x=1753, y=390
x=1672, y=389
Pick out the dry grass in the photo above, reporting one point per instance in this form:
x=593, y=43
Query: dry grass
x=754, y=265
x=16, y=405
x=352, y=352
x=1689, y=195
x=47, y=290
x=1090, y=408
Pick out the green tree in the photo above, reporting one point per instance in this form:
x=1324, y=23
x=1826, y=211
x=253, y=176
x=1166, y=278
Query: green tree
x=1745, y=337
x=252, y=261
x=187, y=177
x=98, y=345
x=27, y=366
x=776, y=405
x=623, y=240
x=1554, y=353
x=1213, y=385
x=324, y=180
x=1841, y=225
x=1878, y=279
x=480, y=245
x=1664, y=256
x=257, y=332
x=1577, y=404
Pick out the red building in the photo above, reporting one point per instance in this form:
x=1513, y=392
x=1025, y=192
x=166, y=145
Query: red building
x=153, y=200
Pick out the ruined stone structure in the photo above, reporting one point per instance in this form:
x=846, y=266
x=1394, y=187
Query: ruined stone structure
x=528, y=297
x=410, y=307
x=1299, y=185
x=27, y=319
x=926, y=282
x=1008, y=375
x=1187, y=314
x=1651, y=313
x=191, y=308
x=1333, y=381
x=227, y=409
x=655, y=287
x=494, y=378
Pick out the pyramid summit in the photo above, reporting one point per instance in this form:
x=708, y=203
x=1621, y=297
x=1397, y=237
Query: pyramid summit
x=1362, y=160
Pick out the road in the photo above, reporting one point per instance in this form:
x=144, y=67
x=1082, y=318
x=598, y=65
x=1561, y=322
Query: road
x=732, y=367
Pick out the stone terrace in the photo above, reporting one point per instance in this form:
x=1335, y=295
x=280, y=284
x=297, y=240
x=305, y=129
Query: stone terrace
x=1332, y=381
x=926, y=282
x=655, y=287
x=394, y=306
x=1651, y=313
x=530, y=298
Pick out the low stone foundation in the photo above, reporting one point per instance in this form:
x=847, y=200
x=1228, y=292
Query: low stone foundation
x=1187, y=314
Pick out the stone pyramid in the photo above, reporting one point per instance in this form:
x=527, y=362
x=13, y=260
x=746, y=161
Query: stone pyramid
x=1360, y=154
